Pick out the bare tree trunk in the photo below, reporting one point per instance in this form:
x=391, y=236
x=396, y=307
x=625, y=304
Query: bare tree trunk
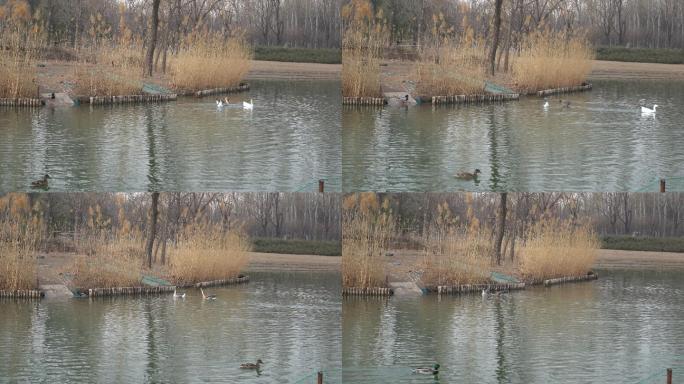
x=154, y=25
x=154, y=214
x=500, y=228
x=495, y=41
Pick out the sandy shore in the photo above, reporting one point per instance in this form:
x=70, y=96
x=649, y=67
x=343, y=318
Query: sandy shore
x=276, y=262
x=274, y=70
x=613, y=70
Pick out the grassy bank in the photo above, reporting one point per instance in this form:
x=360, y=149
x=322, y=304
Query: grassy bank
x=298, y=55
x=297, y=247
x=641, y=55
x=652, y=244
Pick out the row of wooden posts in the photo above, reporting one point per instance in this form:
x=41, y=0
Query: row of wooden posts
x=131, y=99
x=214, y=283
x=21, y=102
x=476, y=288
x=372, y=291
x=22, y=294
x=557, y=91
x=475, y=99
x=129, y=291
x=215, y=91
x=570, y=279
x=377, y=101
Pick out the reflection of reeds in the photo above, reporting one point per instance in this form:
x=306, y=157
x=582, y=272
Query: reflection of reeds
x=209, y=61
x=557, y=248
x=455, y=252
x=20, y=235
x=367, y=229
x=204, y=253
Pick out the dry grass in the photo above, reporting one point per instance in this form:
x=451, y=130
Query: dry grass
x=367, y=229
x=21, y=232
x=205, y=253
x=552, y=60
x=558, y=248
x=115, y=262
x=455, y=252
x=209, y=61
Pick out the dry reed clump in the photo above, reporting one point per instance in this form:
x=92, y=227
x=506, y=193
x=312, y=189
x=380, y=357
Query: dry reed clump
x=455, y=252
x=108, y=257
x=21, y=36
x=21, y=233
x=116, y=70
x=556, y=248
x=552, y=60
x=367, y=228
x=208, y=61
x=364, y=39
x=207, y=252
x=450, y=65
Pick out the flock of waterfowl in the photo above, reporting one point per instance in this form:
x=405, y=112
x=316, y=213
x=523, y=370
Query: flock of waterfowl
x=226, y=103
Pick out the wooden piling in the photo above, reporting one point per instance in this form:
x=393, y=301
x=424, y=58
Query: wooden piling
x=215, y=91
x=321, y=186
x=669, y=376
x=129, y=291
x=477, y=288
x=372, y=291
x=662, y=185
x=556, y=91
x=474, y=99
x=230, y=281
x=320, y=377
x=21, y=102
x=370, y=101
x=22, y=294
x=570, y=279
x=131, y=99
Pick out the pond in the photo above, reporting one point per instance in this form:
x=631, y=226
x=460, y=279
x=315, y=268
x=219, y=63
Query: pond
x=600, y=143
x=290, y=321
x=619, y=329
x=289, y=141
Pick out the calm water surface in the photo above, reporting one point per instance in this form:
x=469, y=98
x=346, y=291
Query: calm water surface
x=290, y=321
x=289, y=141
x=601, y=143
x=618, y=329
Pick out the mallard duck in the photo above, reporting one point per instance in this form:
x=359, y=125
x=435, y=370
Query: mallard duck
x=247, y=105
x=251, y=365
x=207, y=297
x=468, y=175
x=427, y=370
x=564, y=103
x=178, y=295
x=42, y=183
x=226, y=100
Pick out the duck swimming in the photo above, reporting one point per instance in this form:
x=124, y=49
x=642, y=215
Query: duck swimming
x=251, y=365
x=468, y=175
x=648, y=111
x=427, y=370
x=207, y=297
x=42, y=183
x=247, y=105
x=219, y=103
x=178, y=295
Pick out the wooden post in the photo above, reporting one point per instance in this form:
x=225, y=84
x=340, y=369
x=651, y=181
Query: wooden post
x=669, y=376
x=662, y=185
x=320, y=377
x=321, y=186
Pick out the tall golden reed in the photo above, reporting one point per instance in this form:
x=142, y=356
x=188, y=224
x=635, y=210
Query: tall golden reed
x=21, y=232
x=21, y=36
x=367, y=227
x=207, y=252
x=210, y=61
x=556, y=248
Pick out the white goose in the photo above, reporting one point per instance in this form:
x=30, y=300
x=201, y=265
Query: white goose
x=247, y=105
x=177, y=295
x=546, y=105
x=207, y=297
x=648, y=111
x=219, y=103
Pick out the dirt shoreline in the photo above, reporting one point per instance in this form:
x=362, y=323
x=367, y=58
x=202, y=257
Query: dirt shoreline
x=616, y=70
x=276, y=70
